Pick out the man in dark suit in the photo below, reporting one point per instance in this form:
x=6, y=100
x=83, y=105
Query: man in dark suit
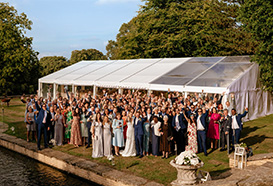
x=149, y=114
x=191, y=111
x=43, y=121
x=38, y=105
x=178, y=123
x=163, y=112
x=202, y=129
x=224, y=129
x=138, y=125
x=50, y=132
x=89, y=117
x=236, y=125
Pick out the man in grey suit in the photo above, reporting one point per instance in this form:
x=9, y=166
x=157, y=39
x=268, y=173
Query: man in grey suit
x=225, y=122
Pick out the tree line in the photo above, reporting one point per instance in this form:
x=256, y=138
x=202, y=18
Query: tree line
x=20, y=67
x=50, y=64
x=161, y=29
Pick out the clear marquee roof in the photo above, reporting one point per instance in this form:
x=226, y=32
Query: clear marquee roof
x=211, y=74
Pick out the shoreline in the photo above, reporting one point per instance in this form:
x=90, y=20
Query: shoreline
x=50, y=167
x=77, y=166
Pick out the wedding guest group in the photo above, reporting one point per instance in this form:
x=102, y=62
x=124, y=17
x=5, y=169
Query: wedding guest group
x=135, y=123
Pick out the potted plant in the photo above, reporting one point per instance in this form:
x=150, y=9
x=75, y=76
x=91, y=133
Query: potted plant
x=186, y=164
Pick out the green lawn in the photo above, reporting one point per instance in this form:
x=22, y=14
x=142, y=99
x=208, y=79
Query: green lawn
x=14, y=117
x=257, y=134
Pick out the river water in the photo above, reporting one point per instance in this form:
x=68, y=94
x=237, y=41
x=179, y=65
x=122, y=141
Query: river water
x=16, y=169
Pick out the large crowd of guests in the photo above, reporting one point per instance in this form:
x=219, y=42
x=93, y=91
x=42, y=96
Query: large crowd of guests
x=135, y=124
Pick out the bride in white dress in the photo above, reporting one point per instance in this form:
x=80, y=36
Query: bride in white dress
x=130, y=146
x=97, y=136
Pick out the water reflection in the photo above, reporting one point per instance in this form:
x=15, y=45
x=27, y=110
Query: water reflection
x=16, y=169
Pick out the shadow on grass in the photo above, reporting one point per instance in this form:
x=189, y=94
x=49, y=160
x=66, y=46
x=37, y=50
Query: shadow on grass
x=247, y=130
x=253, y=140
x=70, y=147
x=210, y=150
x=221, y=174
x=132, y=164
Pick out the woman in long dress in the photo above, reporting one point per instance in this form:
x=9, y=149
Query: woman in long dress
x=155, y=125
x=118, y=140
x=213, y=129
x=58, y=133
x=97, y=138
x=84, y=130
x=69, y=119
x=130, y=145
x=107, y=136
x=166, y=137
x=124, y=116
x=192, y=133
x=64, y=113
x=76, y=138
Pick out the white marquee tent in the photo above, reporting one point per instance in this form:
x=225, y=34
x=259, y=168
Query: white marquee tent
x=232, y=74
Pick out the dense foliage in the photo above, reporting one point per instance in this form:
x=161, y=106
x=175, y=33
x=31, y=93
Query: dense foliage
x=257, y=17
x=86, y=54
x=19, y=65
x=52, y=64
x=162, y=28
x=176, y=28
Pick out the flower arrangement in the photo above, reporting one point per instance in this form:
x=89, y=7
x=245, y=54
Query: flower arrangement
x=241, y=145
x=187, y=158
x=248, y=150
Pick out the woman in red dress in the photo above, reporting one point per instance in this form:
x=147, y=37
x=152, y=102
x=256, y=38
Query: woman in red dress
x=213, y=129
x=124, y=117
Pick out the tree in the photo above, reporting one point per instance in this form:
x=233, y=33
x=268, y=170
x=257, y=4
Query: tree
x=19, y=67
x=111, y=50
x=257, y=17
x=52, y=64
x=86, y=54
x=176, y=28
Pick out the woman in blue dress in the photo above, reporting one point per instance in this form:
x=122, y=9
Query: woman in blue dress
x=118, y=140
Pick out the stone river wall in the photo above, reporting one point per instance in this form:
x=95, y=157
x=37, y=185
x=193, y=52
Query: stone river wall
x=81, y=167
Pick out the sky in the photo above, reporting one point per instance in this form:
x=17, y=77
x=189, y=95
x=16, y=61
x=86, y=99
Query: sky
x=61, y=26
